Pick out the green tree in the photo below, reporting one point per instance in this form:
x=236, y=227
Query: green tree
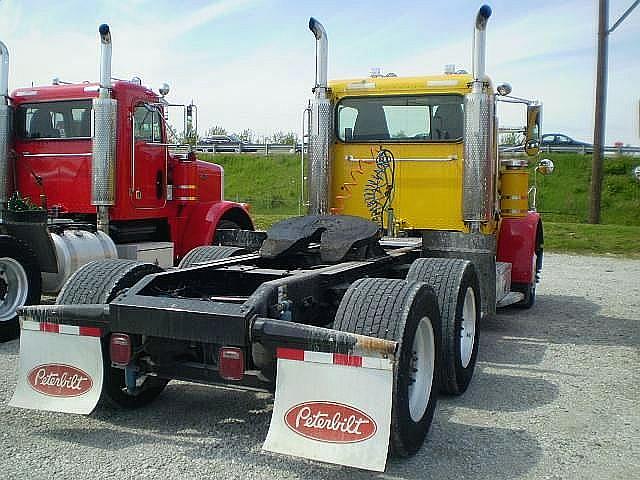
x=246, y=135
x=511, y=138
x=215, y=130
x=282, y=138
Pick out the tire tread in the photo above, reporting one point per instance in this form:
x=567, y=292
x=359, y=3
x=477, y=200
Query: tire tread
x=446, y=275
x=208, y=253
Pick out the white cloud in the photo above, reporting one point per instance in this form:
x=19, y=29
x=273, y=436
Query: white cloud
x=547, y=53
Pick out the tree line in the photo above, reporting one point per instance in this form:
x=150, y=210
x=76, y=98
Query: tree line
x=247, y=135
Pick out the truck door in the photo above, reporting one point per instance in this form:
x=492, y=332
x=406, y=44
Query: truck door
x=149, y=159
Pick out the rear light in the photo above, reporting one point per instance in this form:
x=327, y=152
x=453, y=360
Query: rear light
x=120, y=349
x=231, y=363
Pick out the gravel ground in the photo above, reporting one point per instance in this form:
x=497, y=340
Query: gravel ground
x=556, y=395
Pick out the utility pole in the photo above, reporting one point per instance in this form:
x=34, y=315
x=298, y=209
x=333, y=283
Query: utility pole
x=601, y=104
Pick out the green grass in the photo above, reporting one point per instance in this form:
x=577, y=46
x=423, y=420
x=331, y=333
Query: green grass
x=592, y=239
x=564, y=195
x=271, y=184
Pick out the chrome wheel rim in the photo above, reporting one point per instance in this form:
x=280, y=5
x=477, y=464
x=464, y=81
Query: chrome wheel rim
x=421, y=369
x=14, y=288
x=468, y=328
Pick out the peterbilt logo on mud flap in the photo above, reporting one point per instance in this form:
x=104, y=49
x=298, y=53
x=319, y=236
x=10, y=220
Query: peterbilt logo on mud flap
x=330, y=422
x=59, y=380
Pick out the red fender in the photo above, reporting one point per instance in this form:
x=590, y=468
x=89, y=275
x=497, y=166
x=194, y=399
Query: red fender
x=201, y=225
x=517, y=245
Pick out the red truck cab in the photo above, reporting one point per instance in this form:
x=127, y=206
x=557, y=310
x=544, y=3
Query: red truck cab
x=157, y=191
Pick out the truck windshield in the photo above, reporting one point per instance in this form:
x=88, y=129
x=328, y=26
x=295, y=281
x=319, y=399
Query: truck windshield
x=52, y=120
x=401, y=118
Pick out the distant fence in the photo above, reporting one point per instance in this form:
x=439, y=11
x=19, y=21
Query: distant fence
x=582, y=149
x=260, y=148
x=267, y=148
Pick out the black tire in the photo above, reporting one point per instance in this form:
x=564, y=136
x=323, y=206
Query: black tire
x=208, y=253
x=450, y=279
x=529, y=292
x=100, y=282
x=13, y=250
x=392, y=310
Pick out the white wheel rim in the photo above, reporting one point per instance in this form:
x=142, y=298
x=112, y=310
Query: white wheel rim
x=421, y=366
x=468, y=328
x=14, y=288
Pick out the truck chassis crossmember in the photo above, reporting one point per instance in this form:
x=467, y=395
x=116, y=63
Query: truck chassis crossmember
x=183, y=317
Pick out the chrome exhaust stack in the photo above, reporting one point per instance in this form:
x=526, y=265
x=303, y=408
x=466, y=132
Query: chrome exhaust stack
x=319, y=137
x=479, y=169
x=104, y=138
x=4, y=126
x=480, y=46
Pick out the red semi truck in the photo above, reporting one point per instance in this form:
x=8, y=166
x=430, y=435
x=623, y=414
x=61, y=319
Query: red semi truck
x=102, y=180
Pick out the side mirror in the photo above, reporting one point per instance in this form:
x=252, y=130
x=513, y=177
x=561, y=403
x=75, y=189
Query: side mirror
x=532, y=142
x=545, y=167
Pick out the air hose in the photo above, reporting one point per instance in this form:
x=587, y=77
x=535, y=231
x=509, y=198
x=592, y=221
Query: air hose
x=378, y=192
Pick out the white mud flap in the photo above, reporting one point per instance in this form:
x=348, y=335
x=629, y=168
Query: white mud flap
x=60, y=368
x=333, y=408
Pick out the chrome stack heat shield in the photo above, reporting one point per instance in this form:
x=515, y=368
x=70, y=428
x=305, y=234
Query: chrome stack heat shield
x=103, y=165
x=479, y=168
x=4, y=126
x=104, y=138
x=319, y=136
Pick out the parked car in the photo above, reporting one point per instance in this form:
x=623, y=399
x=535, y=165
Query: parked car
x=227, y=143
x=297, y=148
x=561, y=140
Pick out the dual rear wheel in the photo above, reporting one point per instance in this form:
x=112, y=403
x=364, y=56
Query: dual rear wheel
x=101, y=281
x=455, y=283
x=434, y=317
x=408, y=314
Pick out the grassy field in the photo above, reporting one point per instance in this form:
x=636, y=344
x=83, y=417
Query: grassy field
x=272, y=186
x=592, y=239
x=564, y=195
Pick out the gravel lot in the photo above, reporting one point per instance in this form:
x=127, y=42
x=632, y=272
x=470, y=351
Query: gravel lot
x=556, y=395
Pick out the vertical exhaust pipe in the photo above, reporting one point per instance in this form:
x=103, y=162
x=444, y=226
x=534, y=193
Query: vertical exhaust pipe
x=321, y=52
x=105, y=60
x=479, y=168
x=319, y=137
x=4, y=126
x=4, y=72
x=104, y=137
x=480, y=45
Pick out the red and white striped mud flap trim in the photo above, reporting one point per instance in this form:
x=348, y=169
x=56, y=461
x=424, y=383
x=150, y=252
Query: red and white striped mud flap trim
x=60, y=368
x=332, y=407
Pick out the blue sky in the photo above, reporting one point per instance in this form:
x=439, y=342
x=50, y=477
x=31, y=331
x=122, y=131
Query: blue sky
x=250, y=63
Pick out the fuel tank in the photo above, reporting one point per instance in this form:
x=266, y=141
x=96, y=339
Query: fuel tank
x=74, y=248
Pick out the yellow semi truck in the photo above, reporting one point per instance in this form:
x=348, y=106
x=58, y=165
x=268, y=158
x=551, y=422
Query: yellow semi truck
x=419, y=156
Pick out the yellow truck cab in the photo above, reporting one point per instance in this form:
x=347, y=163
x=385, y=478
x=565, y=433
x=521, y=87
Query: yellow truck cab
x=420, y=120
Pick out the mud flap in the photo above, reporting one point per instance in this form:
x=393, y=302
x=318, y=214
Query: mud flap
x=333, y=408
x=60, y=368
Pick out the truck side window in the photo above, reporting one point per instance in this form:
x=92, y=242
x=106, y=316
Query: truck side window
x=52, y=120
x=146, y=124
